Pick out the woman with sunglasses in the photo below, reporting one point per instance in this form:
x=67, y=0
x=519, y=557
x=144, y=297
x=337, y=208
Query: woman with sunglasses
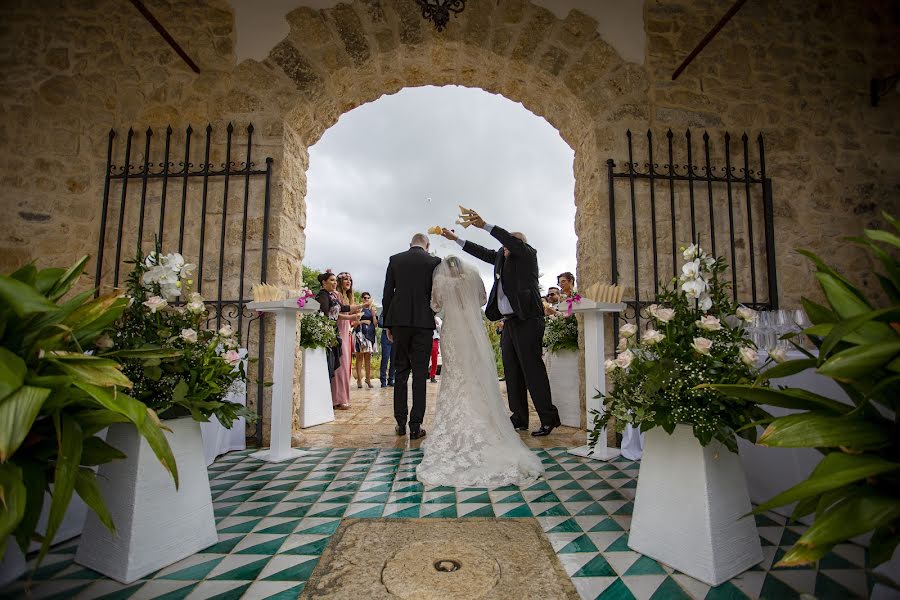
x=364, y=342
x=347, y=319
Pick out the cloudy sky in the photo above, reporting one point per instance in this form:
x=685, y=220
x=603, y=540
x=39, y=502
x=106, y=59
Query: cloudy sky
x=403, y=163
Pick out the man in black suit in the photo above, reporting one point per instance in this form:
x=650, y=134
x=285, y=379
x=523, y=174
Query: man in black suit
x=515, y=298
x=409, y=320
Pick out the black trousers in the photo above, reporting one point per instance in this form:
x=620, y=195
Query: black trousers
x=525, y=372
x=411, y=352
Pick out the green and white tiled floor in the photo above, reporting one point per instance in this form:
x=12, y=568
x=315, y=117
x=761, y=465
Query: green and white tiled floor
x=274, y=521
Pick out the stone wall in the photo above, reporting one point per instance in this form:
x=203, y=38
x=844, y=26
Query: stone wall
x=797, y=72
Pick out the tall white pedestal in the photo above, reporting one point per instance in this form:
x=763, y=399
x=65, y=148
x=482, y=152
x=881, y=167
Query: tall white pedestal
x=285, y=312
x=594, y=373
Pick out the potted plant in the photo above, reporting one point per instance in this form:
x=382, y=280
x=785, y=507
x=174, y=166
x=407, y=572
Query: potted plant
x=691, y=493
x=317, y=335
x=561, y=358
x=855, y=489
x=163, y=524
x=55, y=396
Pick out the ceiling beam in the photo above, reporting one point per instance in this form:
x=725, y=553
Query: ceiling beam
x=709, y=36
x=165, y=35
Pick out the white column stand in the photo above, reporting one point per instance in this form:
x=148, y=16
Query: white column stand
x=285, y=312
x=594, y=373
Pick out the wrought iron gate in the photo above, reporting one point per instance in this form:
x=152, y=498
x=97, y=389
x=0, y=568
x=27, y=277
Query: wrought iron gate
x=201, y=198
x=745, y=198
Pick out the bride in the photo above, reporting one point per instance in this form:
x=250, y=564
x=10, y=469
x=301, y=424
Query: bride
x=472, y=443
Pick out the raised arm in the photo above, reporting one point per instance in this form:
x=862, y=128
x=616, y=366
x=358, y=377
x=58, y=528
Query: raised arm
x=512, y=243
x=480, y=252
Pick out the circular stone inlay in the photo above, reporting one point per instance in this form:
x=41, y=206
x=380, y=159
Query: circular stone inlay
x=415, y=573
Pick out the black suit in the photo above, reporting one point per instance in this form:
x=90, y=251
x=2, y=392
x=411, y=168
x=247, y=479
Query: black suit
x=408, y=315
x=523, y=330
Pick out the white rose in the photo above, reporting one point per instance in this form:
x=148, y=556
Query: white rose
x=651, y=310
x=623, y=345
x=690, y=270
x=628, y=330
x=664, y=315
x=705, y=302
x=745, y=314
x=232, y=357
x=104, y=342
x=624, y=359
x=610, y=365
x=748, y=356
x=652, y=336
x=694, y=287
x=196, y=304
x=709, y=323
x=226, y=331
x=155, y=303
x=189, y=335
x=778, y=354
x=701, y=345
x=690, y=253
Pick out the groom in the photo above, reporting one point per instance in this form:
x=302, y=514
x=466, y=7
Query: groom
x=409, y=321
x=516, y=299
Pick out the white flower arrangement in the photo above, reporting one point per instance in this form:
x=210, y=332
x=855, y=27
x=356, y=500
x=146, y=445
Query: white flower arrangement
x=169, y=271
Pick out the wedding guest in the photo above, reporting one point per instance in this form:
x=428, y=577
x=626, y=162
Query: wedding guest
x=331, y=308
x=566, y=283
x=364, y=341
x=340, y=385
x=553, y=300
x=387, y=360
x=435, y=349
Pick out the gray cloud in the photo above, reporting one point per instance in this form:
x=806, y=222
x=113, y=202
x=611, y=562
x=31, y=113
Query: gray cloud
x=403, y=163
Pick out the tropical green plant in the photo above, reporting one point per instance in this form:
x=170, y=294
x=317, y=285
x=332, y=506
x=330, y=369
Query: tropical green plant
x=54, y=398
x=494, y=336
x=317, y=331
x=202, y=364
x=855, y=488
x=695, y=336
x=561, y=333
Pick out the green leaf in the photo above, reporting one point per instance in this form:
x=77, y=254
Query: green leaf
x=860, y=361
x=150, y=429
x=92, y=421
x=834, y=471
x=101, y=374
x=145, y=353
x=852, y=517
x=27, y=274
x=12, y=372
x=68, y=457
x=817, y=430
x=882, y=236
x=67, y=279
x=34, y=475
x=802, y=555
x=17, y=413
x=817, y=313
x=787, y=398
x=97, y=452
x=882, y=545
x=786, y=369
x=23, y=299
x=45, y=279
x=12, y=499
x=86, y=486
x=840, y=330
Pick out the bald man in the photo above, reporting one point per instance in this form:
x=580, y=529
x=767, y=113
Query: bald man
x=516, y=300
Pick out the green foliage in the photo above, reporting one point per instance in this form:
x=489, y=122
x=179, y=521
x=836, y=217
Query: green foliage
x=491, y=329
x=694, y=338
x=310, y=278
x=855, y=489
x=55, y=396
x=561, y=333
x=317, y=331
x=177, y=366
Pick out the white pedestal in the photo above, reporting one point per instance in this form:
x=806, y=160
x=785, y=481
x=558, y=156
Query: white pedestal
x=594, y=373
x=156, y=525
x=285, y=312
x=689, y=508
x=315, y=407
x=562, y=371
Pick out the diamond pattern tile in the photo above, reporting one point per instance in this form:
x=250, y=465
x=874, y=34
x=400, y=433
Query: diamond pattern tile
x=274, y=522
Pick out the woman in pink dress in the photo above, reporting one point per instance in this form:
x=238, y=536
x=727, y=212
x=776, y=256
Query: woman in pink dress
x=348, y=316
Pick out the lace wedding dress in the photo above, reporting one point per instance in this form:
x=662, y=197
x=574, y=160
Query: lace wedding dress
x=472, y=442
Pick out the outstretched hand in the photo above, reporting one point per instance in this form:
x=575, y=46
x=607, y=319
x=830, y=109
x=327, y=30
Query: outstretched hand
x=449, y=234
x=476, y=220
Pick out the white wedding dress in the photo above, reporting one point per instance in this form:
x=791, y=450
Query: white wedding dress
x=472, y=442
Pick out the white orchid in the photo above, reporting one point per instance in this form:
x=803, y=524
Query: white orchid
x=624, y=359
x=189, y=335
x=749, y=356
x=690, y=270
x=652, y=336
x=610, y=365
x=704, y=302
x=709, y=323
x=702, y=345
x=745, y=314
x=155, y=303
x=691, y=252
x=693, y=288
x=628, y=330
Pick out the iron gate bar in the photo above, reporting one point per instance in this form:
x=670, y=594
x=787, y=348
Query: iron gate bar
x=122, y=206
x=728, y=170
x=709, y=190
x=103, y=213
x=187, y=169
x=669, y=135
x=769, y=223
x=227, y=166
x=651, y=165
x=610, y=165
x=206, y=166
x=744, y=139
x=690, y=177
x=165, y=185
x=634, y=242
x=144, y=170
x=247, y=165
